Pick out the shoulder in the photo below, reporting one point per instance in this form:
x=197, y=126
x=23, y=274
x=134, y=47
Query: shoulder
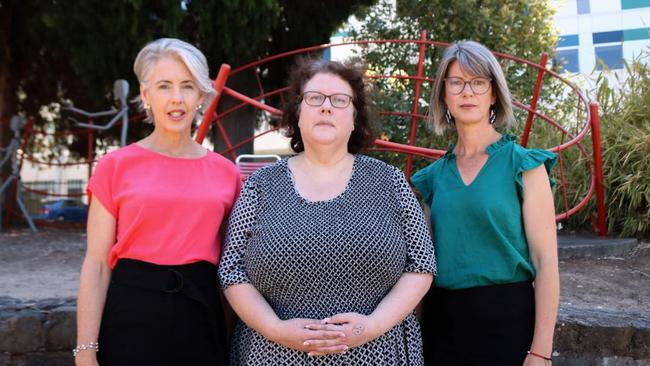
x=531, y=158
x=118, y=156
x=372, y=166
x=221, y=162
x=269, y=173
x=430, y=170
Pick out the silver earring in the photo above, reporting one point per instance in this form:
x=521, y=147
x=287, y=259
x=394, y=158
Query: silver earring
x=199, y=107
x=449, y=118
x=493, y=116
x=146, y=106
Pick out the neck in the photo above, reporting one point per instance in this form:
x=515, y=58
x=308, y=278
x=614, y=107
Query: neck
x=325, y=156
x=474, y=139
x=170, y=143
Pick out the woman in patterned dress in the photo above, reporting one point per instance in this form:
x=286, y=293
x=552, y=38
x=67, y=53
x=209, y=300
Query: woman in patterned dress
x=327, y=252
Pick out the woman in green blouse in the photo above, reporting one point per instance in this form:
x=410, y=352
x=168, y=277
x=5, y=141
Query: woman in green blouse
x=496, y=295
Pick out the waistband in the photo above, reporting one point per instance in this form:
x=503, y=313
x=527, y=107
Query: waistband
x=166, y=278
x=491, y=289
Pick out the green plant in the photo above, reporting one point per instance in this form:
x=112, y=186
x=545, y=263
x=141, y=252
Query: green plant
x=624, y=111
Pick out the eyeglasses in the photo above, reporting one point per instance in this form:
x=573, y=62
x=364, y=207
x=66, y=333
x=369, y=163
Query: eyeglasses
x=316, y=99
x=456, y=85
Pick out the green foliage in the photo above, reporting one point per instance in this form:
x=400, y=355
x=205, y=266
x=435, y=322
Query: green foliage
x=625, y=140
x=52, y=50
x=523, y=28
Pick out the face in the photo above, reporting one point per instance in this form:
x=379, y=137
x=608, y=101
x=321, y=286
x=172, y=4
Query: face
x=172, y=94
x=326, y=124
x=468, y=107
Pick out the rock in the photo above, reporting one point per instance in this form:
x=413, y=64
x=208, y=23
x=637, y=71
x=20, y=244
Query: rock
x=43, y=359
x=22, y=332
x=60, y=329
x=603, y=333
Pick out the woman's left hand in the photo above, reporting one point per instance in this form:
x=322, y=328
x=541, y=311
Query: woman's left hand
x=359, y=329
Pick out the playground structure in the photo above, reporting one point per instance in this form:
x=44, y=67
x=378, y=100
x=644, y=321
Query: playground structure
x=120, y=94
x=16, y=123
x=569, y=137
x=575, y=140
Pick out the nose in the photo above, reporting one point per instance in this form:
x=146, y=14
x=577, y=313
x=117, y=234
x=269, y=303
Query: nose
x=177, y=96
x=326, y=107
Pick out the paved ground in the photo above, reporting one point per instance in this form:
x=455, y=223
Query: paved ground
x=46, y=265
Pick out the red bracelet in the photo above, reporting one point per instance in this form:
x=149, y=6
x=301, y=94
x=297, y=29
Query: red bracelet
x=540, y=356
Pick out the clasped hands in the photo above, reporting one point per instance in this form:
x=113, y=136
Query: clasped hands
x=334, y=335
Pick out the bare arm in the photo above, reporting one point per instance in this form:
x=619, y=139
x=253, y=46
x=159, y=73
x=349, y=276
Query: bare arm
x=539, y=223
x=95, y=277
x=400, y=301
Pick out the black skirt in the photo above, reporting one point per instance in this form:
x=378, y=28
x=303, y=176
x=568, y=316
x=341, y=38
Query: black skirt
x=489, y=325
x=162, y=315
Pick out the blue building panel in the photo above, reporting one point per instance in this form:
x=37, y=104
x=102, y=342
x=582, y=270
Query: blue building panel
x=611, y=56
x=608, y=37
x=568, y=40
x=568, y=60
x=583, y=7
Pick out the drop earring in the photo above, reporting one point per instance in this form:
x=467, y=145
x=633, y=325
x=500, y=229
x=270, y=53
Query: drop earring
x=449, y=118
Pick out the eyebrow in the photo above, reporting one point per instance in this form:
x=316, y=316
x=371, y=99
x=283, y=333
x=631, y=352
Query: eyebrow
x=169, y=82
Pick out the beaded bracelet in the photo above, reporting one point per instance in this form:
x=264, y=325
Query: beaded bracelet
x=540, y=356
x=83, y=347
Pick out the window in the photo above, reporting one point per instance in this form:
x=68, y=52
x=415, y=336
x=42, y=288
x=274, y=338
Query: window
x=568, y=40
x=636, y=34
x=634, y=4
x=606, y=37
x=583, y=6
x=612, y=56
x=568, y=60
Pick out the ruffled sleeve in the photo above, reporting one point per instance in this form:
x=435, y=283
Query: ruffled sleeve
x=529, y=159
x=423, y=182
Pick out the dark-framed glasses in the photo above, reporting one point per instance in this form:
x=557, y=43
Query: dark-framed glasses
x=316, y=99
x=456, y=85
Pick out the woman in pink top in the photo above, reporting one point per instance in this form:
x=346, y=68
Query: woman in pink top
x=148, y=292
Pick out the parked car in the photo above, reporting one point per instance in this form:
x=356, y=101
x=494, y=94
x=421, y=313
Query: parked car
x=63, y=210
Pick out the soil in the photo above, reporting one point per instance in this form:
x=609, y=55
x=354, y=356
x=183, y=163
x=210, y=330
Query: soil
x=46, y=265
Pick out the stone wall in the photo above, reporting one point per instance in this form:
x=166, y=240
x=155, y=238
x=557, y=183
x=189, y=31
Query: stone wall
x=37, y=333
x=43, y=333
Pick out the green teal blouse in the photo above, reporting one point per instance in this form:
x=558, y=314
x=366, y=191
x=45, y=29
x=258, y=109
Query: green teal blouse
x=478, y=228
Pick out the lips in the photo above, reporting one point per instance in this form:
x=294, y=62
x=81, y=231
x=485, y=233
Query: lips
x=325, y=124
x=176, y=114
x=467, y=105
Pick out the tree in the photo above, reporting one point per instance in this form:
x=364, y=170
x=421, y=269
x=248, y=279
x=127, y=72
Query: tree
x=51, y=50
x=523, y=28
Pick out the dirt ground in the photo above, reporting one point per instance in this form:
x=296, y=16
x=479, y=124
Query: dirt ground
x=46, y=265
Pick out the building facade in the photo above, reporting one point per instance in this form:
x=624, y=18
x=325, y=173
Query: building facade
x=598, y=34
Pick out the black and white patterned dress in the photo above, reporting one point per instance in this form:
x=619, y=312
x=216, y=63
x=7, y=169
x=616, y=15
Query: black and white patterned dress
x=316, y=259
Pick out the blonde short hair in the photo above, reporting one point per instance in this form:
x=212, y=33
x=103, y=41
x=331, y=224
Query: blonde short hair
x=473, y=58
x=189, y=55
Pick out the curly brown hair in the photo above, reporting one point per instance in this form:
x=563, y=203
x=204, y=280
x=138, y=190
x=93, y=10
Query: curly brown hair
x=353, y=73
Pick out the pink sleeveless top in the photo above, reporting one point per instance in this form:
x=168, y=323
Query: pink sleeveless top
x=168, y=210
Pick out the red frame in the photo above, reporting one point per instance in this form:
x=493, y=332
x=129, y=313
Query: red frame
x=591, y=122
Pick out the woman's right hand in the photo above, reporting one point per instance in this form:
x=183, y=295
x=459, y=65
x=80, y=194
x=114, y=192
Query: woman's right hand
x=293, y=333
x=86, y=358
